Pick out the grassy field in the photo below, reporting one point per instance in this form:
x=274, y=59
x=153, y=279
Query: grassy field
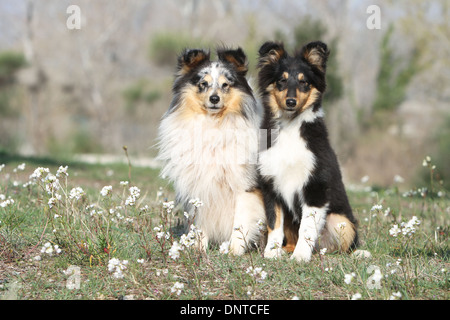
x=108, y=232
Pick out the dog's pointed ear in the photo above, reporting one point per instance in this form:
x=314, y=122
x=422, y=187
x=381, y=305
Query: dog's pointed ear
x=271, y=52
x=316, y=54
x=237, y=58
x=191, y=58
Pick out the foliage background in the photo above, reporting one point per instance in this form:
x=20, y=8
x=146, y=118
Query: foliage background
x=65, y=92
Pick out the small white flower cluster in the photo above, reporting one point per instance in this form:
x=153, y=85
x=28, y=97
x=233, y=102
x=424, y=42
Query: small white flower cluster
x=76, y=193
x=258, y=273
x=396, y=296
x=6, y=202
x=38, y=173
x=62, y=171
x=116, y=266
x=186, y=241
x=106, y=190
x=174, y=251
x=54, y=200
x=177, y=287
x=196, y=202
x=377, y=207
x=407, y=229
x=356, y=296
x=135, y=193
x=2, y=166
x=20, y=167
x=261, y=226
x=48, y=249
x=427, y=163
x=160, y=233
x=349, y=277
x=168, y=206
x=341, y=225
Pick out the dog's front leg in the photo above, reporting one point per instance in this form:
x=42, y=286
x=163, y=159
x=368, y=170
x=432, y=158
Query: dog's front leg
x=311, y=226
x=249, y=211
x=275, y=234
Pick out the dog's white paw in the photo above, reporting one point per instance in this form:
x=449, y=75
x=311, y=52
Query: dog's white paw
x=273, y=250
x=237, y=245
x=274, y=253
x=302, y=253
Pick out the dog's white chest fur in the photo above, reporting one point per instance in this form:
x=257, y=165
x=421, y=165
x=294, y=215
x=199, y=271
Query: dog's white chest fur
x=288, y=162
x=210, y=160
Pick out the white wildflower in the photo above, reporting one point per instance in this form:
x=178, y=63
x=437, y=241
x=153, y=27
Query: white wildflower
x=38, y=173
x=135, y=193
x=174, y=251
x=261, y=225
x=116, y=266
x=49, y=249
x=396, y=296
x=124, y=183
x=349, y=277
x=323, y=251
x=356, y=296
x=168, y=206
x=257, y=273
x=196, y=202
x=341, y=225
x=62, y=171
x=76, y=193
x=106, y=190
x=6, y=203
x=177, y=287
x=395, y=230
x=376, y=207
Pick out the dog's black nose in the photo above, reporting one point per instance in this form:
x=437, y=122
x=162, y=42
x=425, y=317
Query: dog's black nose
x=214, y=99
x=290, y=103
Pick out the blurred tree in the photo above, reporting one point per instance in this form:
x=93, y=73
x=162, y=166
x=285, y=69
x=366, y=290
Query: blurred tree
x=394, y=75
x=166, y=46
x=10, y=63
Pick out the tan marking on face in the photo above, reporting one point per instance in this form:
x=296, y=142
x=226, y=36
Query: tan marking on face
x=277, y=99
x=312, y=97
x=300, y=77
x=191, y=102
x=232, y=102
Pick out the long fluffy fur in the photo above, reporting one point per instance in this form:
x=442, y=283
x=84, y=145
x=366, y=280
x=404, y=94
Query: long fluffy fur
x=212, y=155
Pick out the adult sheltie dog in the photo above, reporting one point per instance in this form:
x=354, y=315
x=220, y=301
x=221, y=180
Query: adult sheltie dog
x=208, y=140
x=305, y=200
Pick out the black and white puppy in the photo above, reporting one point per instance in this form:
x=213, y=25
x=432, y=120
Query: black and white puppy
x=305, y=200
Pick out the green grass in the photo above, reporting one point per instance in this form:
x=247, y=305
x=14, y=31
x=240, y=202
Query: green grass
x=88, y=242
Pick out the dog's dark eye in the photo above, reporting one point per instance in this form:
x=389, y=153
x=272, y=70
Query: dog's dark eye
x=225, y=85
x=203, y=84
x=303, y=83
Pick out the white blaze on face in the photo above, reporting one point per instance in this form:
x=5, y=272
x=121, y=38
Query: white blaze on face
x=215, y=75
